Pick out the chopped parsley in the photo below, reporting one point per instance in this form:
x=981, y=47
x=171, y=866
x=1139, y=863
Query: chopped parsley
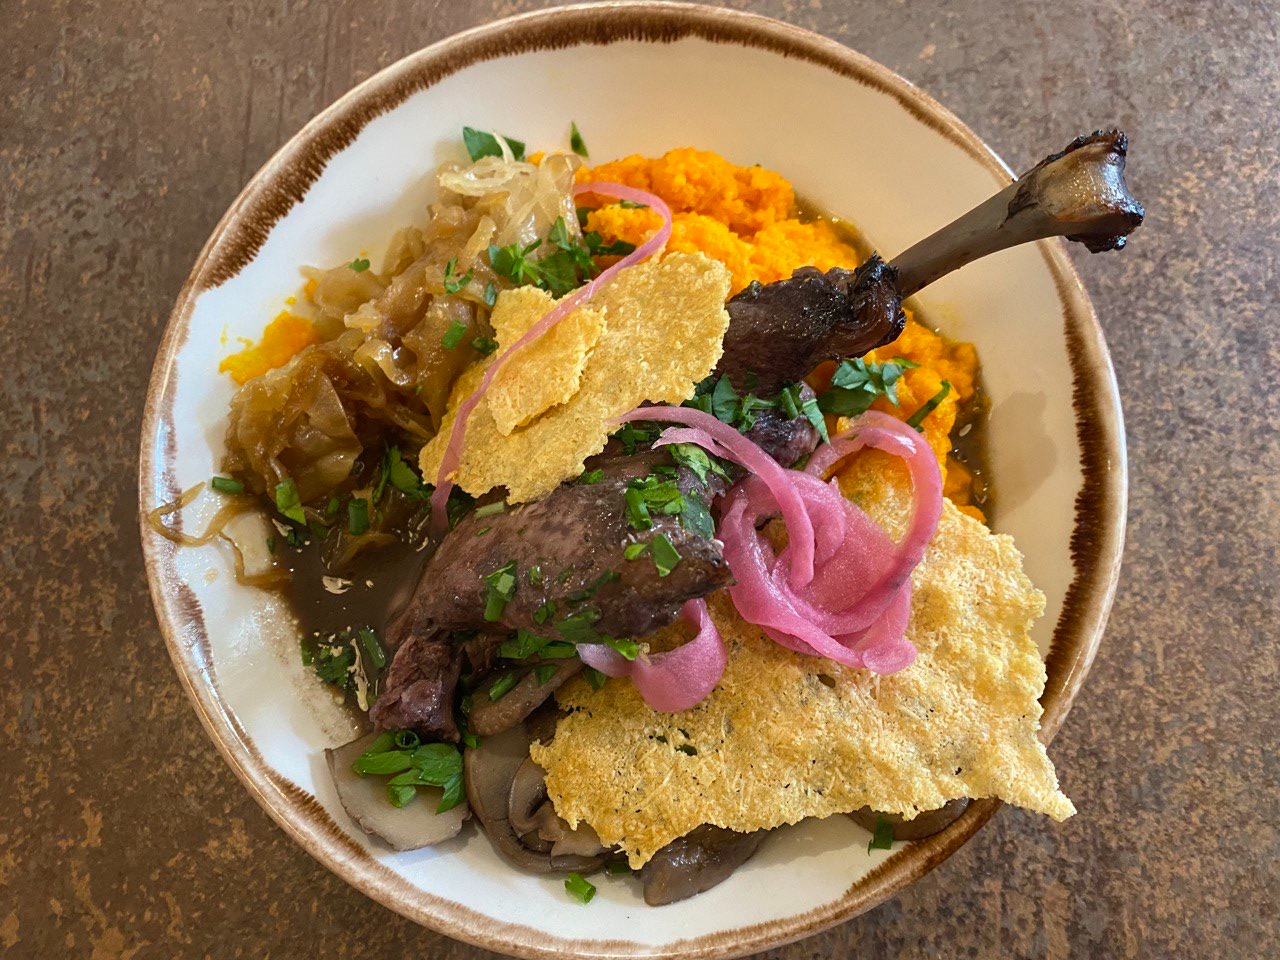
x=579, y=888
x=628, y=648
x=917, y=419
x=522, y=646
x=634, y=550
x=226, y=485
x=490, y=294
x=576, y=142
x=287, y=502
x=631, y=435
x=646, y=496
x=698, y=460
x=545, y=611
x=545, y=673
x=359, y=265
x=579, y=627
x=594, y=677
x=591, y=476
x=480, y=143
x=453, y=336
x=357, y=516
x=402, y=476
x=665, y=556
x=535, y=575
x=411, y=765
x=881, y=836
x=857, y=384
x=452, y=282
x=722, y=401
x=500, y=588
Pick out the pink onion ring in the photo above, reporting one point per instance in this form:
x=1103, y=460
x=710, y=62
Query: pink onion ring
x=675, y=680
x=453, y=449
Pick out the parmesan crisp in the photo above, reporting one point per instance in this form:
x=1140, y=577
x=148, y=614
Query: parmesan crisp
x=543, y=373
x=664, y=323
x=784, y=737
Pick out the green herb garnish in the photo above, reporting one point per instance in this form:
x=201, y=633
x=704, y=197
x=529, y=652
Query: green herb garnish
x=579, y=627
x=595, y=678
x=633, y=550
x=546, y=610
x=545, y=673
x=857, y=384
x=665, y=556
x=591, y=476
x=479, y=144
x=500, y=588
x=453, y=336
x=502, y=686
x=579, y=888
x=881, y=836
x=490, y=294
x=226, y=485
x=631, y=436
x=484, y=345
x=917, y=418
x=287, y=501
x=628, y=648
x=489, y=509
x=452, y=282
x=575, y=140
x=357, y=516
x=698, y=460
x=522, y=646
x=411, y=765
x=359, y=265
x=373, y=647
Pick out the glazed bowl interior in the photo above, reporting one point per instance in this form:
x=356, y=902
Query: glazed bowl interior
x=857, y=142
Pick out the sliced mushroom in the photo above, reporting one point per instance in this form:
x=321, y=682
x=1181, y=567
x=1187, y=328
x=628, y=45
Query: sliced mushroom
x=924, y=824
x=695, y=863
x=489, y=717
x=489, y=772
x=410, y=827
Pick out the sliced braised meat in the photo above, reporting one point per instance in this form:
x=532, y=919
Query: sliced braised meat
x=567, y=551
x=418, y=693
x=695, y=863
x=780, y=331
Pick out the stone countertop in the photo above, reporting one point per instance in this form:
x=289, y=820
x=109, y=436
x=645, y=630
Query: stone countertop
x=125, y=131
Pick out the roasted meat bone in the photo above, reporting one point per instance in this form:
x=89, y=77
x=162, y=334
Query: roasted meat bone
x=780, y=331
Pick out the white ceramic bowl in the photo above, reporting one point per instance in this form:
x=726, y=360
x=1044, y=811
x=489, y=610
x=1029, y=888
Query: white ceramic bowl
x=853, y=137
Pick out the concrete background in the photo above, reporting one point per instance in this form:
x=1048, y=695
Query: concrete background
x=126, y=128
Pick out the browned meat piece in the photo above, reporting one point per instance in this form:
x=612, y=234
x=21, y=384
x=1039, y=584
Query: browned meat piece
x=780, y=331
x=567, y=551
x=418, y=694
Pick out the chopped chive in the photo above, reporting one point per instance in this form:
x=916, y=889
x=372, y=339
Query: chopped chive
x=502, y=686
x=523, y=645
x=331, y=508
x=881, y=836
x=917, y=418
x=452, y=282
x=579, y=888
x=227, y=485
x=634, y=550
x=500, y=588
x=590, y=477
x=357, y=516
x=373, y=647
x=489, y=509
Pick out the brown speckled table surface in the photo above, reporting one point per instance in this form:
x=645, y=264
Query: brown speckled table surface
x=127, y=127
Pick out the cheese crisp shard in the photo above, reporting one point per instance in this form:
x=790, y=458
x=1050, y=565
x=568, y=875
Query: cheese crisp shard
x=664, y=326
x=784, y=737
x=543, y=373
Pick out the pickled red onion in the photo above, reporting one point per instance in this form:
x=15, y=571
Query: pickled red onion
x=851, y=599
x=453, y=449
x=677, y=679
